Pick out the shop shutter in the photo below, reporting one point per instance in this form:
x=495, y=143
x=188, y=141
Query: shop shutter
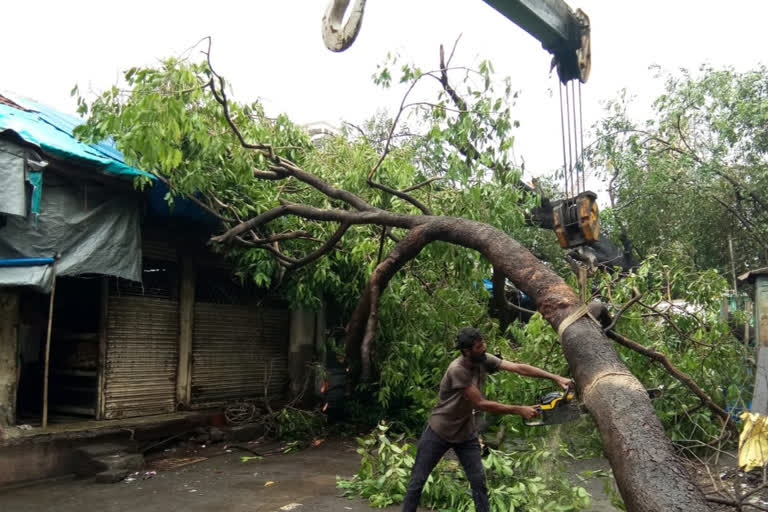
x=142, y=354
x=236, y=351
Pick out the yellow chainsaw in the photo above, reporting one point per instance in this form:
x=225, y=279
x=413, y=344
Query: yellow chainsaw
x=564, y=406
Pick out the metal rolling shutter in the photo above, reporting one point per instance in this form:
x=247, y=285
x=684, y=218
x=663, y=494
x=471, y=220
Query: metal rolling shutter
x=142, y=356
x=234, y=349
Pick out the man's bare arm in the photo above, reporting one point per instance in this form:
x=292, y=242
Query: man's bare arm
x=527, y=370
x=479, y=402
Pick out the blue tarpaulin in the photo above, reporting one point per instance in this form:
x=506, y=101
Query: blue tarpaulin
x=52, y=132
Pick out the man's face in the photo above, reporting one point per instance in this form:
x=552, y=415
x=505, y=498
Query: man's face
x=477, y=354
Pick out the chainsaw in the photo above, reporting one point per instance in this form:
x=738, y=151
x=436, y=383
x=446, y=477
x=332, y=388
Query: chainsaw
x=564, y=406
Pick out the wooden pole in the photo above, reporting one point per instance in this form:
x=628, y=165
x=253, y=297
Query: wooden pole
x=747, y=318
x=48, y=345
x=583, y=283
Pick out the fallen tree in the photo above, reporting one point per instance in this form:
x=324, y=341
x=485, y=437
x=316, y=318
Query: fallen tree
x=648, y=472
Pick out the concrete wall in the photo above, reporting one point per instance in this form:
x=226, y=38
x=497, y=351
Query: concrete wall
x=9, y=324
x=34, y=461
x=301, y=350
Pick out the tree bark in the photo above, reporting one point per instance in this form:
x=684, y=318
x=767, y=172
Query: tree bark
x=650, y=476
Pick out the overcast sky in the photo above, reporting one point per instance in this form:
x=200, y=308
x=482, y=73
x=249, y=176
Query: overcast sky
x=273, y=50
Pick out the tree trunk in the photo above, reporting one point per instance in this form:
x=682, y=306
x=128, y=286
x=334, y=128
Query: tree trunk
x=650, y=476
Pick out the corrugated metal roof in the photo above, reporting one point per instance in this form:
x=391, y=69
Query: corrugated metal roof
x=752, y=274
x=51, y=130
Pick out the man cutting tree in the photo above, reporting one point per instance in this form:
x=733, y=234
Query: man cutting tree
x=452, y=424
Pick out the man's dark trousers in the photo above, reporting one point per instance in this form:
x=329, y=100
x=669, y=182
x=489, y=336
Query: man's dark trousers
x=430, y=450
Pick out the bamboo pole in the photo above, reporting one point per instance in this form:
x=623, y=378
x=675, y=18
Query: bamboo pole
x=48, y=345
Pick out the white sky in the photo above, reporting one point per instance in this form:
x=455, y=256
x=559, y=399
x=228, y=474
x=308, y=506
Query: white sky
x=273, y=50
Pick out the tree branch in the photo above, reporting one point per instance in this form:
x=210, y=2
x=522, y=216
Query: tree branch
x=467, y=148
x=373, y=216
x=361, y=326
x=288, y=235
x=326, y=247
x=637, y=296
x=423, y=184
x=272, y=175
x=677, y=374
x=402, y=195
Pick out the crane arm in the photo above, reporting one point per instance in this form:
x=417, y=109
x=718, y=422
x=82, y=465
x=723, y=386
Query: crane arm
x=561, y=31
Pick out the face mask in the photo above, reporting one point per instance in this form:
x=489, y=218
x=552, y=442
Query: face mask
x=478, y=358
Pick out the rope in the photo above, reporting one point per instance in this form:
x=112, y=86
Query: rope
x=583, y=310
x=588, y=389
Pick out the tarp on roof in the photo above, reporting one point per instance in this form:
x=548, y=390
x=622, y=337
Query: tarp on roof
x=105, y=239
x=51, y=131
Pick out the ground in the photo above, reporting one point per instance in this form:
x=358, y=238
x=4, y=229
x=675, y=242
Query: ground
x=301, y=481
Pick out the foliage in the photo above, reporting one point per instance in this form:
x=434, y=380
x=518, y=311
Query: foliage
x=696, y=173
x=691, y=333
x=529, y=479
x=293, y=424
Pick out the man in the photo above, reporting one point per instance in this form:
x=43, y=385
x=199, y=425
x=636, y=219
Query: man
x=452, y=425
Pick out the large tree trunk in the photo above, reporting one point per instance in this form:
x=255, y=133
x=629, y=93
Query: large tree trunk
x=649, y=474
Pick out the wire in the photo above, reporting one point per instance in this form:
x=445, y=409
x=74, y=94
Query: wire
x=575, y=141
x=570, y=145
x=581, y=134
x=562, y=137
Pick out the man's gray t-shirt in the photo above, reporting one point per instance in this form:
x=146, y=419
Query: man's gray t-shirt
x=452, y=417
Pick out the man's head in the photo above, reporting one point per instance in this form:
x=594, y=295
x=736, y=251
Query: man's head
x=469, y=341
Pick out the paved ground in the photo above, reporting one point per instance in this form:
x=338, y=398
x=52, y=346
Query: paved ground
x=303, y=481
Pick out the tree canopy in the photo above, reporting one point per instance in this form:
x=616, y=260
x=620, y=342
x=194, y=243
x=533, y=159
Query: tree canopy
x=695, y=174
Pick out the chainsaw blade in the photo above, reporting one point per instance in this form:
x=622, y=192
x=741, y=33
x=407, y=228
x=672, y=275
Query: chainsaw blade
x=564, y=412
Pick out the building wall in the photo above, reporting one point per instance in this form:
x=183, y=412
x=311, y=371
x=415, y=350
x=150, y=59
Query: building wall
x=9, y=321
x=301, y=350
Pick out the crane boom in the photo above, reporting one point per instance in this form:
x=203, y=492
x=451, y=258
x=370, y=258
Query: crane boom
x=561, y=31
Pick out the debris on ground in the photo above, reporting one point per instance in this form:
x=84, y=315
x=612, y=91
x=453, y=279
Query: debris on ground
x=728, y=486
x=175, y=462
